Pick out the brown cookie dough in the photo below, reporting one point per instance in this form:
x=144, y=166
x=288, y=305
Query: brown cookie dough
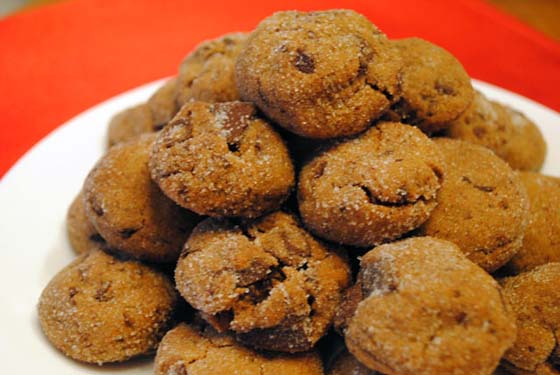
x=508, y=133
x=129, y=124
x=373, y=188
x=163, y=104
x=428, y=310
x=268, y=281
x=129, y=210
x=482, y=205
x=207, y=73
x=102, y=309
x=434, y=86
x=202, y=351
x=534, y=297
x=347, y=364
x=222, y=160
x=541, y=243
x=81, y=232
x=320, y=74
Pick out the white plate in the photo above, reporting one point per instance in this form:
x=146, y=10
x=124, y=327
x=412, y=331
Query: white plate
x=34, y=197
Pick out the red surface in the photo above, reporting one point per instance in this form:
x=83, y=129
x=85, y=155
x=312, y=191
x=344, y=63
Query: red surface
x=60, y=60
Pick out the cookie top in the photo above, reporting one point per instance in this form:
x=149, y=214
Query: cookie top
x=222, y=160
x=510, y=134
x=196, y=350
x=534, y=298
x=268, y=281
x=373, y=188
x=129, y=210
x=81, y=232
x=428, y=310
x=481, y=206
x=541, y=243
x=207, y=73
x=103, y=309
x=435, y=89
x=320, y=74
x=129, y=124
x=163, y=103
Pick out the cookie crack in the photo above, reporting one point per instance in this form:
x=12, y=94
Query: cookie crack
x=483, y=188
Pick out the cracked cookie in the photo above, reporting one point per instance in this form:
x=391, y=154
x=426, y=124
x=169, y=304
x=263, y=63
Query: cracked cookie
x=82, y=235
x=322, y=74
x=373, y=188
x=534, y=298
x=541, y=242
x=207, y=73
x=428, y=310
x=129, y=210
x=222, y=160
x=482, y=205
x=435, y=89
x=510, y=134
x=268, y=281
x=103, y=309
x=163, y=105
x=201, y=351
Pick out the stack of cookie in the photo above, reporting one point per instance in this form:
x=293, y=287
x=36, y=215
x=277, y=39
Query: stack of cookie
x=312, y=179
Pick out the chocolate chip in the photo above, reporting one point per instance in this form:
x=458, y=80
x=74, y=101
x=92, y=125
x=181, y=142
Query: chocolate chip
x=304, y=63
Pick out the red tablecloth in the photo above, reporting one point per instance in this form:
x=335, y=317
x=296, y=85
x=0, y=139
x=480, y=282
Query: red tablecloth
x=59, y=60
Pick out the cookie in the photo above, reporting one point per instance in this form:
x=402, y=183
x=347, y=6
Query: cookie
x=510, y=134
x=207, y=73
x=347, y=364
x=163, y=104
x=103, y=309
x=428, y=310
x=482, y=205
x=222, y=160
x=541, y=243
x=320, y=74
x=129, y=210
x=534, y=298
x=81, y=232
x=435, y=88
x=268, y=281
x=129, y=124
x=201, y=351
x=373, y=188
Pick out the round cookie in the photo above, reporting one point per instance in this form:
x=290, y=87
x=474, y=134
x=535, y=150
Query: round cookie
x=201, y=351
x=268, y=281
x=207, y=73
x=482, y=205
x=163, y=104
x=508, y=133
x=222, y=160
x=81, y=232
x=373, y=188
x=428, y=310
x=534, y=298
x=347, y=364
x=435, y=89
x=129, y=210
x=103, y=309
x=320, y=74
x=541, y=243
x=129, y=124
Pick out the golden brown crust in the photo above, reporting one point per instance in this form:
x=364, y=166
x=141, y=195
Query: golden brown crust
x=373, y=188
x=320, y=74
x=163, y=104
x=534, y=298
x=269, y=281
x=202, y=351
x=129, y=210
x=129, y=124
x=101, y=309
x=81, y=232
x=510, y=134
x=482, y=205
x=541, y=243
x=222, y=160
x=428, y=310
x=434, y=86
x=207, y=73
